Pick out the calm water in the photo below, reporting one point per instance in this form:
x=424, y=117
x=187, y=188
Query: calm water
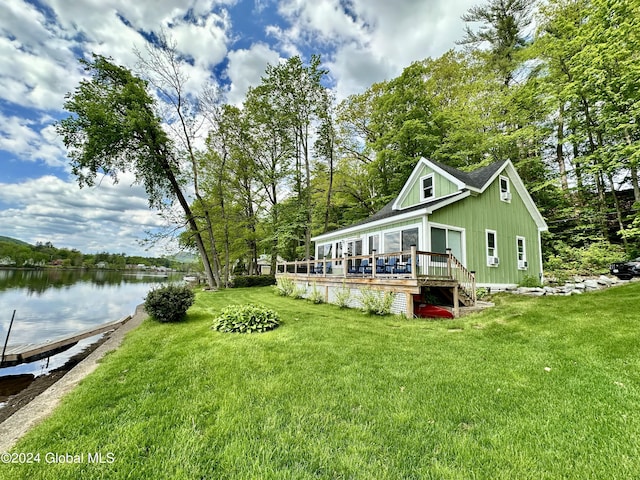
x=54, y=303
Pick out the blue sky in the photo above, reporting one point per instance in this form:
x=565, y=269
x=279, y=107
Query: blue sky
x=231, y=41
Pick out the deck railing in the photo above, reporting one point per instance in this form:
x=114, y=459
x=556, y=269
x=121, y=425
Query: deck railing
x=405, y=264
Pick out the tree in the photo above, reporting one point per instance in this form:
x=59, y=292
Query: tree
x=502, y=26
x=113, y=129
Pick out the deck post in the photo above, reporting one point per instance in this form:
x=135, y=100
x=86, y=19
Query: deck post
x=409, y=305
x=456, y=302
x=373, y=263
x=449, y=254
x=414, y=250
x=324, y=267
x=345, y=265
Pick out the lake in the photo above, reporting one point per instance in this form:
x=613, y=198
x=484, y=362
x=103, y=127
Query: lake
x=53, y=302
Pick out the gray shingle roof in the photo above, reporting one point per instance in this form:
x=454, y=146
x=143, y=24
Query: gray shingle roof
x=475, y=179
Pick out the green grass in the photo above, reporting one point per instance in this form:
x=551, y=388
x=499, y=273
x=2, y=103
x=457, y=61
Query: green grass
x=533, y=388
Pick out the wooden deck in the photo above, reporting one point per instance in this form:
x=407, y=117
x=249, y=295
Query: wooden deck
x=400, y=272
x=30, y=352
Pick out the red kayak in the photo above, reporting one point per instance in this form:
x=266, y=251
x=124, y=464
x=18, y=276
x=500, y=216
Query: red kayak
x=424, y=310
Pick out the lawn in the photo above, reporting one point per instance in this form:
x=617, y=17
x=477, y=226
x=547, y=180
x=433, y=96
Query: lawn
x=533, y=388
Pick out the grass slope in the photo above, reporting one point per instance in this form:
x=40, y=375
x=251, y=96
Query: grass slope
x=534, y=388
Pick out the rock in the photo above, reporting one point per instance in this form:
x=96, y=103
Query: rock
x=591, y=284
x=604, y=280
x=579, y=286
x=535, y=291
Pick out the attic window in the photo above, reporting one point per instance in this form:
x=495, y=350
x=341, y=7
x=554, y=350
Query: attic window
x=427, y=190
x=505, y=192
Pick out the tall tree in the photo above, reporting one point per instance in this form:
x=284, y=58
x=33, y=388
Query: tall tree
x=164, y=68
x=503, y=25
x=296, y=93
x=114, y=128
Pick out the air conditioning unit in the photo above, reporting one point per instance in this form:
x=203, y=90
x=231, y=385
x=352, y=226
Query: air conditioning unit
x=505, y=196
x=493, y=261
x=522, y=264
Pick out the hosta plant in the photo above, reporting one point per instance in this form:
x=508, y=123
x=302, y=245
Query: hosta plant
x=246, y=319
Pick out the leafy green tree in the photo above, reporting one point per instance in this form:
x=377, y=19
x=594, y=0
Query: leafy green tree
x=114, y=128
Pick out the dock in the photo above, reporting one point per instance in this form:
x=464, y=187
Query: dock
x=30, y=352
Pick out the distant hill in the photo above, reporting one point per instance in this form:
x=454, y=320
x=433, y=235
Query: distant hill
x=14, y=240
x=183, y=257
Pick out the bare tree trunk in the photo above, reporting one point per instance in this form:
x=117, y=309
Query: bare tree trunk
x=560, y=149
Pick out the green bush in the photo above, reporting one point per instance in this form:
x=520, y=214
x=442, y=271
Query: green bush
x=530, y=281
x=316, y=296
x=169, y=303
x=243, y=281
x=246, y=319
x=285, y=287
x=374, y=302
x=343, y=296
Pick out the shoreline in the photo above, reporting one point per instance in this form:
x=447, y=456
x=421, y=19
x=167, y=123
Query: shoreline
x=43, y=401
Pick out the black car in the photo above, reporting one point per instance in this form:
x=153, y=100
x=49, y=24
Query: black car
x=626, y=270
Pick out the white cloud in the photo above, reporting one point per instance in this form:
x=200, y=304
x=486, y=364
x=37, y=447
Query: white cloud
x=110, y=216
x=371, y=40
x=246, y=67
x=32, y=140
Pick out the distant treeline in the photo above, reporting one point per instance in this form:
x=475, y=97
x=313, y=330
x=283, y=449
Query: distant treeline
x=15, y=253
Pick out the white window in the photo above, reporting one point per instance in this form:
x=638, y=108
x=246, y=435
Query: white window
x=521, y=249
x=505, y=189
x=492, y=248
x=427, y=190
x=374, y=243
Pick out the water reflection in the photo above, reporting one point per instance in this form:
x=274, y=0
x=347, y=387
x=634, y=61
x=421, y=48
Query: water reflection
x=54, y=303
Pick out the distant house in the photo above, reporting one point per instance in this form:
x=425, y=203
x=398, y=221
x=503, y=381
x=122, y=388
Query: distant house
x=483, y=223
x=102, y=265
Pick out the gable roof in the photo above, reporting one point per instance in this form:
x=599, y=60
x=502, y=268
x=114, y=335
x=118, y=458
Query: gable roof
x=476, y=181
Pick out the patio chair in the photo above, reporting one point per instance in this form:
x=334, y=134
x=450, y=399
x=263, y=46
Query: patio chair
x=364, y=267
x=353, y=268
x=380, y=266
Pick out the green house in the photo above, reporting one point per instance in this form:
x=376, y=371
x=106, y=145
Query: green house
x=485, y=219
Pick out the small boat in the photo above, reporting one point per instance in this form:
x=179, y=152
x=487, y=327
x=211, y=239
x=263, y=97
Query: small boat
x=190, y=278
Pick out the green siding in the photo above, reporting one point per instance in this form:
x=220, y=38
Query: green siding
x=476, y=214
x=487, y=212
x=442, y=187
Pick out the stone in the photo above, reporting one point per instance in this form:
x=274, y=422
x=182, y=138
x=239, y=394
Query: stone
x=591, y=284
x=604, y=280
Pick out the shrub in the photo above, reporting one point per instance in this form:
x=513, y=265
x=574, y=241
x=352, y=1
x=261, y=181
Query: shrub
x=343, y=296
x=285, y=287
x=316, y=296
x=530, y=281
x=169, y=303
x=374, y=302
x=243, y=281
x=246, y=319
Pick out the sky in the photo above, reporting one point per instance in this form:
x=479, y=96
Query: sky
x=231, y=43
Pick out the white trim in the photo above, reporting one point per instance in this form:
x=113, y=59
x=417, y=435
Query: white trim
x=383, y=247
x=377, y=223
x=448, y=200
x=491, y=259
x=423, y=198
x=423, y=162
x=506, y=195
x=463, y=238
x=517, y=183
x=522, y=264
